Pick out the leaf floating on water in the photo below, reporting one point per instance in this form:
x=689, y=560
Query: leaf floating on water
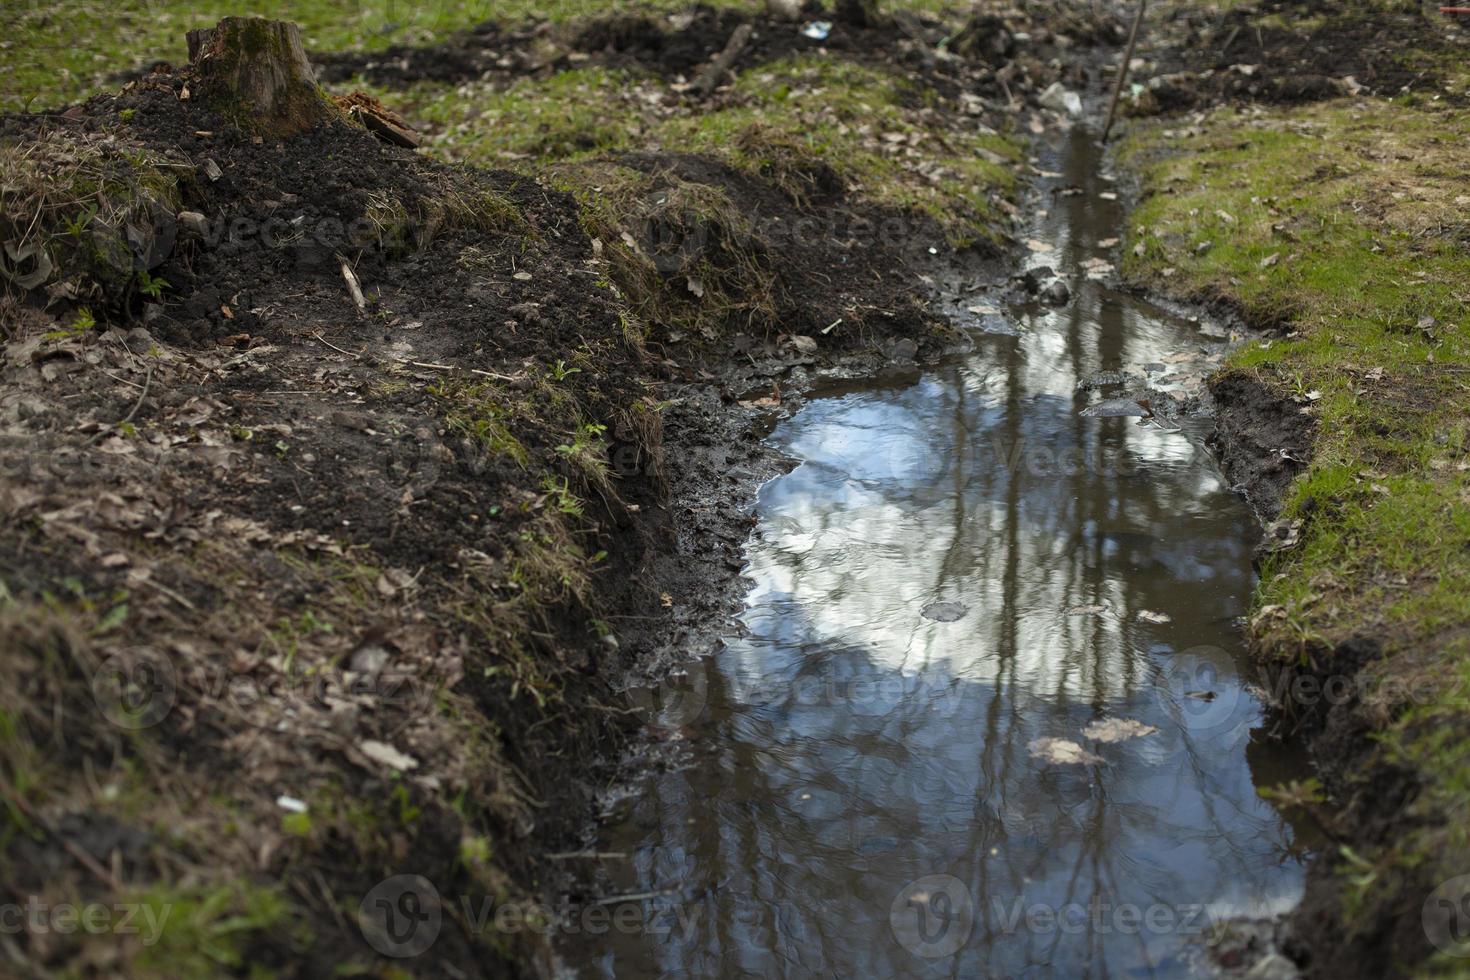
x=1116, y=730
x=1061, y=752
x=1086, y=610
x=1149, y=616
x=944, y=612
x=1036, y=245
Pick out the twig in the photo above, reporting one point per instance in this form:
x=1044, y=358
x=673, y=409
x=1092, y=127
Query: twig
x=588, y=855
x=1123, y=68
x=82, y=857
x=335, y=347
x=451, y=367
x=147, y=383
x=353, y=286
x=171, y=594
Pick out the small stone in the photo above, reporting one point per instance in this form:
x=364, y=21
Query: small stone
x=193, y=222
x=1057, y=294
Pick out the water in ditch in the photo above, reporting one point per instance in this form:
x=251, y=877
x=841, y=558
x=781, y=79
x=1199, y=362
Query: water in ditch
x=985, y=715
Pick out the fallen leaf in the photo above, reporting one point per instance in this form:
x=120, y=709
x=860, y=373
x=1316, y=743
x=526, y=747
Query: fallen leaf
x=1061, y=752
x=387, y=755
x=1149, y=616
x=1116, y=730
x=943, y=612
x=1086, y=610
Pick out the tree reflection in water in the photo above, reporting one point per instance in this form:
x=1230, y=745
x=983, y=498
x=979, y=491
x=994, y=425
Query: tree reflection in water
x=850, y=746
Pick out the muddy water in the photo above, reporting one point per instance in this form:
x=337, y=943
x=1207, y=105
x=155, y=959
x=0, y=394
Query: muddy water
x=985, y=715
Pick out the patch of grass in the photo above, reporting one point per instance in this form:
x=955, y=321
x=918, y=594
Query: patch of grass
x=566, y=116
x=89, y=211
x=400, y=231
x=202, y=930
x=1348, y=225
x=806, y=124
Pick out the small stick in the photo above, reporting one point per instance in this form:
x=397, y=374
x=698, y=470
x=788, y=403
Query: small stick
x=353, y=286
x=1123, y=68
x=334, y=346
x=82, y=857
x=451, y=367
x=147, y=383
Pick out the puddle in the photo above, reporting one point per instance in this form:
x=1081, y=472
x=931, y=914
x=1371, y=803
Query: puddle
x=986, y=714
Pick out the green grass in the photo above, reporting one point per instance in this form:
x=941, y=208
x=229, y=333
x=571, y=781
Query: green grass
x=48, y=66
x=786, y=122
x=1364, y=207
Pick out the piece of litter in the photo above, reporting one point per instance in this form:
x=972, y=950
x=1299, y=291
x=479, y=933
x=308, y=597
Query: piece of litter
x=291, y=803
x=817, y=30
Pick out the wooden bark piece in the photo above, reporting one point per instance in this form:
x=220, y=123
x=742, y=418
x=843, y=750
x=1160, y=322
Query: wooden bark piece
x=254, y=71
x=379, y=120
x=713, y=75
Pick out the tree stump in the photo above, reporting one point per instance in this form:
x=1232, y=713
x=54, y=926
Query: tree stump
x=254, y=72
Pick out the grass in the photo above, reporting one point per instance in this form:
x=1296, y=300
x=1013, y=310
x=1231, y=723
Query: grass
x=47, y=67
x=84, y=210
x=793, y=122
x=1348, y=226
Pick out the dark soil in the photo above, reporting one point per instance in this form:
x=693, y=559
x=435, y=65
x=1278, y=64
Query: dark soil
x=1383, y=50
x=1261, y=440
x=673, y=48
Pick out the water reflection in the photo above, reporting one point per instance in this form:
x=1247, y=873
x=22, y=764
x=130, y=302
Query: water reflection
x=849, y=746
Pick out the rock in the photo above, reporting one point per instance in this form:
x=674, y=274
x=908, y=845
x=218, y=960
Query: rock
x=193, y=222
x=369, y=660
x=1057, y=294
x=1031, y=279
x=1117, y=408
x=1059, y=98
